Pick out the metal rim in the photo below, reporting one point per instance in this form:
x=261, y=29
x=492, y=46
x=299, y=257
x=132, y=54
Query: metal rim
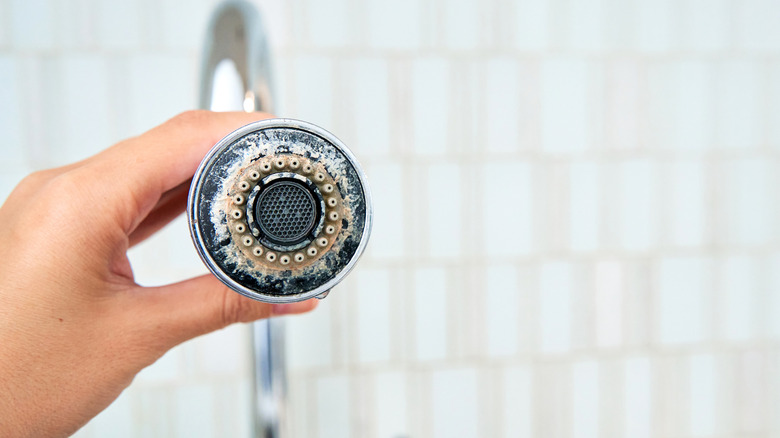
x=194, y=194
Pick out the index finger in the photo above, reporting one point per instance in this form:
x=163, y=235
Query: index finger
x=162, y=158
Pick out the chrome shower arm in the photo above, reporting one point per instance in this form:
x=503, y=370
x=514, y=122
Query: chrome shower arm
x=236, y=35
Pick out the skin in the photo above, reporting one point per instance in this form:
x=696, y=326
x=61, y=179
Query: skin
x=75, y=328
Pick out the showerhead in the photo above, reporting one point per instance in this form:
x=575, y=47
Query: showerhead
x=280, y=211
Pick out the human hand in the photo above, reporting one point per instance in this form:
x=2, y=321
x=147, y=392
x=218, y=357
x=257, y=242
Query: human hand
x=75, y=328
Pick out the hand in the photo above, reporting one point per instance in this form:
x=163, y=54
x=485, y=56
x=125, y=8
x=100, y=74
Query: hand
x=75, y=328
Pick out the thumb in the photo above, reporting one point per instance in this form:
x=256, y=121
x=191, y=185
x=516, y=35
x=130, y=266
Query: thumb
x=184, y=310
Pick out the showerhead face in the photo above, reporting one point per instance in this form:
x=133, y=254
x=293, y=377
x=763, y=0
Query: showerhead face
x=280, y=210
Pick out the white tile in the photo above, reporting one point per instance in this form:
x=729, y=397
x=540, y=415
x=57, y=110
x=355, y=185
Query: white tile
x=585, y=24
x=625, y=122
x=371, y=106
x=149, y=260
x=531, y=29
x=681, y=105
x=328, y=24
x=390, y=404
x=585, y=399
x=703, y=393
x=462, y=24
x=277, y=19
x=308, y=338
x=655, y=25
x=555, y=313
x=691, y=105
x=86, y=109
x=756, y=25
x=5, y=23
x=552, y=399
x=507, y=204
x=529, y=120
x=40, y=80
x=313, y=78
x=682, y=300
x=224, y=352
x=707, y=25
x=301, y=393
x=373, y=315
x=551, y=196
x=387, y=192
x=430, y=105
x=75, y=24
x=84, y=432
x=455, y=403
x=33, y=24
x=120, y=81
x=117, y=420
x=738, y=117
x=620, y=25
x=751, y=391
x=183, y=258
x=638, y=205
x=584, y=206
x=773, y=296
x=185, y=22
x=746, y=203
x=394, y=25
x=554, y=219
x=502, y=107
x=156, y=416
x=501, y=310
x=151, y=22
x=161, y=86
x=566, y=109
x=243, y=411
x=518, y=408
x=638, y=398
x=165, y=370
x=687, y=201
x=285, y=83
x=444, y=210
x=333, y=407
x=195, y=411
x=12, y=148
x=774, y=413
x=430, y=314
x=233, y=412
x=772, y=112
x=738, y=280
x=610, y=287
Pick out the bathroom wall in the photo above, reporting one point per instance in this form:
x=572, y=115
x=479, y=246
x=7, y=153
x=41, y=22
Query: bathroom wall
x=577, y=223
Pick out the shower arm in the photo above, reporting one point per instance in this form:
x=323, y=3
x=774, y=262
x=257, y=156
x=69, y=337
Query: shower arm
x=236, y=36
x=236, y=33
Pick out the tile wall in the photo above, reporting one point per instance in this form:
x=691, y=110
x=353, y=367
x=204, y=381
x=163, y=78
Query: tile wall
x=577, y=228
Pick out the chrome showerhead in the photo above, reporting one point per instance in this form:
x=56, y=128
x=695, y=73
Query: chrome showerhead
x=280, y=210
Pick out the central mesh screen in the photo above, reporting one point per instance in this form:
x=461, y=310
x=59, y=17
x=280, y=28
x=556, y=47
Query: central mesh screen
x=286, y=211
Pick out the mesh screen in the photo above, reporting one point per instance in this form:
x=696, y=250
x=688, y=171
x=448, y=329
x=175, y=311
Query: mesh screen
x=286, y=211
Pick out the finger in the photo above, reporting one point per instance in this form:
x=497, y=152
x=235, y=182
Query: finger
x=36, y=181
x=171, y=204
x=147, y=166
x=184, y=310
